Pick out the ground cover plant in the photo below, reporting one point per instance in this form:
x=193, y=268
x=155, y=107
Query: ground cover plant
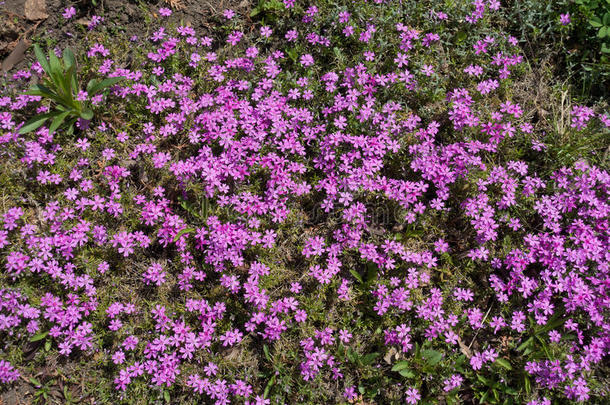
x=331, y=202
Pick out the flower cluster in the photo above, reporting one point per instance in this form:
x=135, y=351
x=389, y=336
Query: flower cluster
x=188, y=229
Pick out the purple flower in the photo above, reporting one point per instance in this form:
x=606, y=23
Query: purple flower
x=69, y=13
x=412, y=396
x=165, y=12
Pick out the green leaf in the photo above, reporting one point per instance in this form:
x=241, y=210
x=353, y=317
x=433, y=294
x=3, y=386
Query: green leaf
x=56, y=71
x=371, y=272
x=369, y=358
x=57, y=121
x=433, y=357
x=407, y=373
x=182, y=232
x=100, y=86
x=54, y=62
x=595, y=22
x=90, y=85
x=525, y=344
x=401, y=365
x=166, y=396
x=70, y=126
x=86, y=114
x=483, y=380
x=35, y=382
x=39, y=336
x=352, y=356
x=36, y=122
x=357, y=276
x=47, y=345
x=504, y=363
x=293, y=54
x=40, y=90
x=69, y=59
x=606, y=19
x=527, y=384
x=42, y=59
x=268, y=387
x=205, y=207
x=68, y=87
x=603, y=32
x=266, y=351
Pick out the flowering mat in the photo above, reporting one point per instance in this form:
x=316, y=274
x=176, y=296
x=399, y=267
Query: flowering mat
x=375, y=202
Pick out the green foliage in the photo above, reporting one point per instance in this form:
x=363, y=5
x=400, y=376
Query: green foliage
x=61, y=88
x=581, y=48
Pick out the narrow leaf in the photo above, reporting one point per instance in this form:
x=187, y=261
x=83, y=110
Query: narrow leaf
x=268, y=387
x=525, y=344
x=182, y=232
x=266, y=351
x=103, y=85
x=357, y=276
x=36, y=122
x=42, y=59
x=504, y=363
x=369, y=358
x=57, y=121
x=39, y=336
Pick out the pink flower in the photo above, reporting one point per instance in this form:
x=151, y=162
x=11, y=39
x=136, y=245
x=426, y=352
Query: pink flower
x=306, y=60
x=266, y=31
x=412, y=396
x=154, y=275
x=165, y=12
x=69, y=13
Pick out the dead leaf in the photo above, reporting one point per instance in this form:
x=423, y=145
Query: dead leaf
x=35, y=10
x=83, y=21
x=176, y=4
x=464, y=349
x=16, y=56
x=391, y=353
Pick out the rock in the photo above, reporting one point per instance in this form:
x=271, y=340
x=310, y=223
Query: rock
x=35, y=10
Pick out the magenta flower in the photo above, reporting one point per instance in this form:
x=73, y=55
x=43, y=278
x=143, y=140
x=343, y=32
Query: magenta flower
x=165, y=12
x=412, y=396
x=306, y=60
x=69, y=13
